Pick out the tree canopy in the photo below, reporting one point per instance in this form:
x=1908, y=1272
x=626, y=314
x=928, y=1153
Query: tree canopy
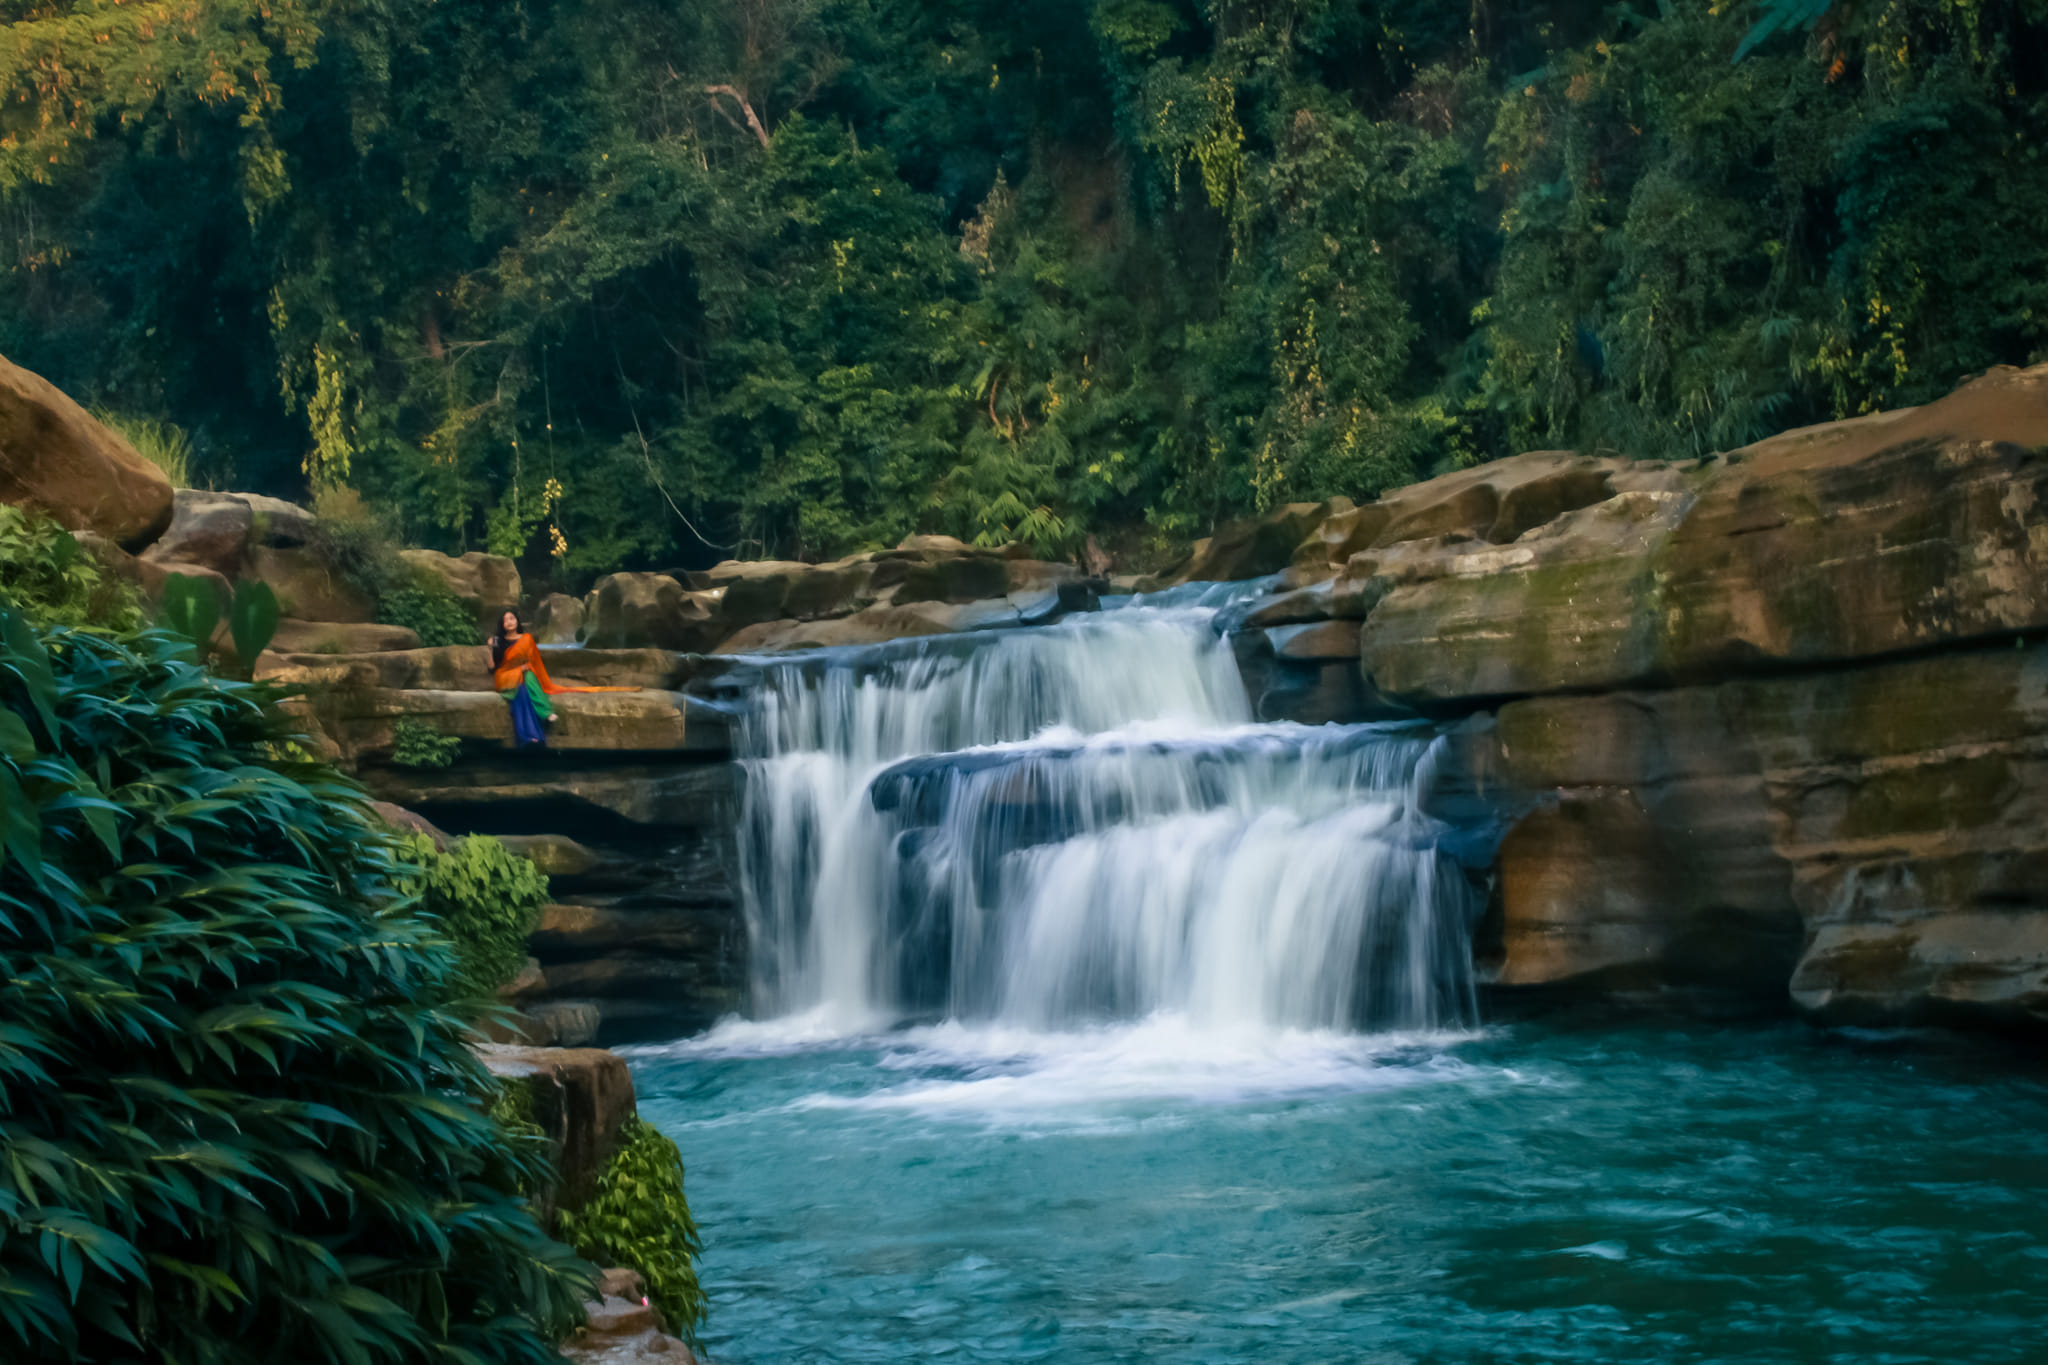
x=802, y=276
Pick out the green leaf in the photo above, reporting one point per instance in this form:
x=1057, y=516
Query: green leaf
x=191, y=608
x=252, y=620
x=15, y=740
x=21, y=826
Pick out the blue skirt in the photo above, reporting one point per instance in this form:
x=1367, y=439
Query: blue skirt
x=529, y=705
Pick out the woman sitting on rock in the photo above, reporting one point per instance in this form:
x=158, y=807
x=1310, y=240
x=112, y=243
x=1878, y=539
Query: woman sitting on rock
x=523, y=681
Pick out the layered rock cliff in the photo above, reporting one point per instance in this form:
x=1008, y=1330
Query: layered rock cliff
x=1772, y=722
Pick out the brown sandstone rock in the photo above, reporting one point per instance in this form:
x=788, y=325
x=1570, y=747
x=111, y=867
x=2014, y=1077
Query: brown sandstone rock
x=156, y=574
x=277, y=522
x=363, y=720
x=955, y=579
x=1862, y=538
x=621, y=1283
x=451, y=668
x=209, y=529
x=1875, y=841
x=340, y=638
x=558, y=620
x=1831, y=545
x=933, y=547
x=410, y=822
x=1572, y=603
x=555, y=854
x=572, y=931
x=1252, y=549
x=875, y=625
x=54, y=457
x=640, y=610
x=581, y=1099
x=562, y=1023
x=307, y=587
x=1315, y=640
x=489, y=583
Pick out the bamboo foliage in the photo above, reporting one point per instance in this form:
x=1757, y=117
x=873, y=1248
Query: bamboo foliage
x=232, y=1128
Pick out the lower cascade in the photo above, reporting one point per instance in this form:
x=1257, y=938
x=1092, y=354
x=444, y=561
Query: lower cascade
x=1070, y=825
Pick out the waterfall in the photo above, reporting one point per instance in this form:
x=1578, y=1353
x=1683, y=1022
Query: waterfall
x=1076, y=823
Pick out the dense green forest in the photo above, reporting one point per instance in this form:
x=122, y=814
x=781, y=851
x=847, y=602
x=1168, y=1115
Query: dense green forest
x=612, y=283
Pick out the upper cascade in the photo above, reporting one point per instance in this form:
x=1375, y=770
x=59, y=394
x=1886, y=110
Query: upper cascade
x=1067, y=825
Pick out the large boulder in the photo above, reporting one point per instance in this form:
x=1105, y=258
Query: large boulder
x=155, y=575
x=643, y=610
x=210, y=529
x=307, y=587
x=55, y=458
x=1263, y=545
x=839, y=588
x=754, y=589
x=1825, y=546
x=277, y=522
x=489, y=583
x=1571, y=604
x=956, y=579
x=558, y=619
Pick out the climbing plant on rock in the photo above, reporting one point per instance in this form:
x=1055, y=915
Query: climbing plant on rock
x=485, y=899
x=639, y=1218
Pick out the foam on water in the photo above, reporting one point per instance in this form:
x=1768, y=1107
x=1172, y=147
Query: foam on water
x=1031, y=1079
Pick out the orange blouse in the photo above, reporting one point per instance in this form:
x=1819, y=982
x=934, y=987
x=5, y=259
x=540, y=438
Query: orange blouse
x=523, y=655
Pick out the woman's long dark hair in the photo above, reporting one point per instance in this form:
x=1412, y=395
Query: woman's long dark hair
x=500, y=641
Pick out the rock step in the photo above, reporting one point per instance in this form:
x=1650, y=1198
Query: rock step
x=363, y=723
x=467, y=668
x=569, y=931
x=612, y=1316
x=605, y=1350
x=634, y=798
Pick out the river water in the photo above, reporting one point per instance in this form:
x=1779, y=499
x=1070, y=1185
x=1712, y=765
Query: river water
x=1095, y=1022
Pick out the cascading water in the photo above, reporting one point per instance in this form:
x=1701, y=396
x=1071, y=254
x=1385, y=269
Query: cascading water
x=1080, y=823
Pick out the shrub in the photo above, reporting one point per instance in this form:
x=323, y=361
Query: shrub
x=436, y=615
x=361, y=543
x=485, y=899
x=238, y=1129
x=639, y=1218
x=416, y=744
x=357, y=541
x=51, y=579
